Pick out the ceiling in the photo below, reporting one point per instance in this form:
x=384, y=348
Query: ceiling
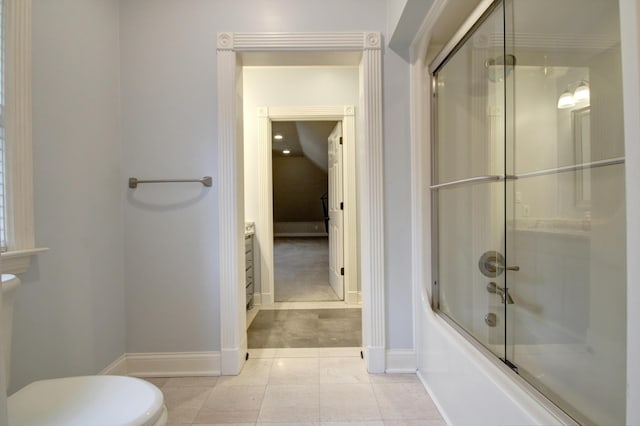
x=303, y=139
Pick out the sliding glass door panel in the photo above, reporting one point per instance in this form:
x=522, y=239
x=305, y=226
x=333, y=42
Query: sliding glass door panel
x=529, y=197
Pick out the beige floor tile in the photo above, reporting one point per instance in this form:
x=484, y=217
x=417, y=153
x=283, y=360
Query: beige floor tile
x=294, y=371
x=405, y=401
x=339, y=352
x=191, y=381
x=436, y=422
x=285, y=396
x=217, y=424
x=263, y=353
x=179, y=416
x=395, y=378
x=254, y=373
x=354, y=423
x=215, y=416
x=298, y=352
x=185, y=397
x=235, y=398
x=158, y=381
x=288, y=424
x=294, y=415
x=343, y=370
x=347, y=402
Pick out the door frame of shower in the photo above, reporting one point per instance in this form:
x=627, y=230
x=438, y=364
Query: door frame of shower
x=230, y=46
x=424, y=238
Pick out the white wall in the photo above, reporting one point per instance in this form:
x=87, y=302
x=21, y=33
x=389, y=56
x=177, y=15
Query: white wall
x=287, y=87
x=129, y=89
x=169, y=128
x=397, y=194
x=69, y=312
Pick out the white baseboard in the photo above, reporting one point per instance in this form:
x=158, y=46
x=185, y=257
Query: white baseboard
x=401, y=361
x=166, y=364
x=375, y=359
x=257, y=299
x=117, y=367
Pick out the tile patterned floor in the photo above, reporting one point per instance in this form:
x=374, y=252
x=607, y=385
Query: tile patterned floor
x=310, y=386
x=306, y=328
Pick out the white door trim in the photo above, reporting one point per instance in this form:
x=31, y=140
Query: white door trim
x=230, y=183
x=264, y=227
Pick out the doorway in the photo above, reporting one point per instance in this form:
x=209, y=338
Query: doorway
x=307, y=220
x=362, y=49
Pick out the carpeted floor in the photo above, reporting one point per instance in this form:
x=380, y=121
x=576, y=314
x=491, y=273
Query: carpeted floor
x=306, y=328
x=301, y=270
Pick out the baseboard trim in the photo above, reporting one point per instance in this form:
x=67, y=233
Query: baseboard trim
x=166, y=364
x=117, y=367
x=257, y=299
x=401, y=361
x=375, y=359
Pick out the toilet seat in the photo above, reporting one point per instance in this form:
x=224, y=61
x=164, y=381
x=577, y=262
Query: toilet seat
x=87, y=400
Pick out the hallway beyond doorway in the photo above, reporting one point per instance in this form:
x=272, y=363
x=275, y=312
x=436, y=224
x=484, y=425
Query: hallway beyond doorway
x=301, y=270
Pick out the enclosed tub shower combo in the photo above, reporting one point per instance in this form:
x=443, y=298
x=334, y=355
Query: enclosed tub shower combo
x=528, y=198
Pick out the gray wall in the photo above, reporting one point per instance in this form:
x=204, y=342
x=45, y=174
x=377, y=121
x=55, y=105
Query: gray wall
x=129, y=89
x=69, y=313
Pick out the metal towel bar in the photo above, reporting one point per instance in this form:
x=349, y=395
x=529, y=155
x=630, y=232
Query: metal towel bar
x=133, y=182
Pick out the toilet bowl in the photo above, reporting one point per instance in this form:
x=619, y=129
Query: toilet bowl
x=78, y=401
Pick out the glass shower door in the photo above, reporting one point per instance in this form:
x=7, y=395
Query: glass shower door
x=469, y=185
x=529, y=197
x=566, y=205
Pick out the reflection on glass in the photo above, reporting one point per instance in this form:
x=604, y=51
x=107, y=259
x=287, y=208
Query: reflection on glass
x=469, y=145
x=582, y=144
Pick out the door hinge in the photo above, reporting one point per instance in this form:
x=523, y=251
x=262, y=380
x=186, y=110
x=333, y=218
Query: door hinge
x=341, y=271
x=341, y=205
x=340, y=140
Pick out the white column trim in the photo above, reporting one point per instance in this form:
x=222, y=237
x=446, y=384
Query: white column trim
x=231, y=216
x=370, y=179
x=371, y=213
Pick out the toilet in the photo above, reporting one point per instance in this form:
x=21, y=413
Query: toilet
x=78, y=401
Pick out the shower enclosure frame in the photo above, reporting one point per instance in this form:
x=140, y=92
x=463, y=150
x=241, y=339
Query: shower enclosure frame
x=477, y=18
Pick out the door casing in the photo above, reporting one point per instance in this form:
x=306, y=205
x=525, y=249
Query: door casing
x=370, y=216
x=264, y=226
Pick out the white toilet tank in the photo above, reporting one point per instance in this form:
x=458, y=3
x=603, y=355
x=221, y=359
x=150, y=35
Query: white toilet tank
x=9, y=285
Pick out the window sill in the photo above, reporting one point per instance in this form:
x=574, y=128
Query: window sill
x=17, y=261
